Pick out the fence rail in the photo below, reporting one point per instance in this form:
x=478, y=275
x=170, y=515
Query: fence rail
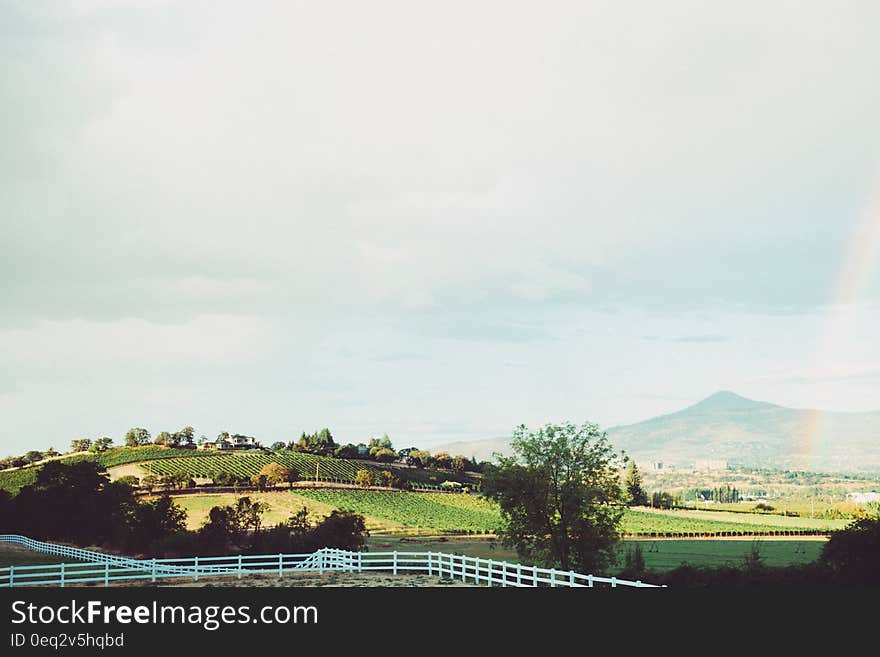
x=100, y=568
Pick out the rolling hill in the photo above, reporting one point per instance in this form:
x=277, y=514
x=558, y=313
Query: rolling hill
x=741, y=431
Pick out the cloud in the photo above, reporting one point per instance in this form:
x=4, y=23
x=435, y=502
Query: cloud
x=702, y=338
x=204, y=340
x=399, y=356
x=695, y=339
x=255, y=204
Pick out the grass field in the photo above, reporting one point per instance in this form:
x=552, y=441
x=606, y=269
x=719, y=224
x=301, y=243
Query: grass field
x=16, y=556
x=660, y=555
x=282, y=505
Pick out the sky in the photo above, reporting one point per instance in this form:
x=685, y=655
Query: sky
x=432, y=220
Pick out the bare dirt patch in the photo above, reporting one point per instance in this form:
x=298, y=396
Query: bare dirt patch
x=307, y=580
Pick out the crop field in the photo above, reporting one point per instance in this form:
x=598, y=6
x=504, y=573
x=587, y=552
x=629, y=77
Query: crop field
x=15, y=480
x=435, y=511
x=309, y=466
x=641, y=521
x=471, y=513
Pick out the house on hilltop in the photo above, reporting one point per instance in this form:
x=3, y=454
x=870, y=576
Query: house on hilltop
x=227, y=442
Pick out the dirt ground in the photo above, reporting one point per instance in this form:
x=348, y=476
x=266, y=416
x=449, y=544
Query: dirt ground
x=306, y=580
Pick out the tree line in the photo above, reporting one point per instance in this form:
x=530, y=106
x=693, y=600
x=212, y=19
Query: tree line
x=321, y=443
x=380, y=450
x=77, y=503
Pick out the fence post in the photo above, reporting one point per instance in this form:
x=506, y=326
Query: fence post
x=394, y=562
x=11, y=576
x=430, y=571
x=239, y=566
x=320, y=562
x=464, y=567
x=589, y=581
x=519, y=574
x=196, y=564
x=613, y=582
x=503, y=573
x=360, y=562
x=62, y=574
x=571, y=578
x=534, y=575
x=280, y=565
x=552, y=577
x=106, y=573
x=489, y=572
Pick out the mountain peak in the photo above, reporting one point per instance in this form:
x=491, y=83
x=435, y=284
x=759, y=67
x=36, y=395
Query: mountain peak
x=725, y=400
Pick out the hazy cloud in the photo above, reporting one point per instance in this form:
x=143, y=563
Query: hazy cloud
x=238, y=210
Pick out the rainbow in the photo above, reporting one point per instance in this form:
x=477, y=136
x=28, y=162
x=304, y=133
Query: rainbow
x=859, y=261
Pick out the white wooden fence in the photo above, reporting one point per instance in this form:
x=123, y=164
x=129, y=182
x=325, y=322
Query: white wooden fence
x=100, y=568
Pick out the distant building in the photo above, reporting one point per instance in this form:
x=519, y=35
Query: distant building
x=237, y=441
x=656, y=465
x=704, y=465
x=864, y=498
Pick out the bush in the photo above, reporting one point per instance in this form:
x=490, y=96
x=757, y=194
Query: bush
x=852, y=553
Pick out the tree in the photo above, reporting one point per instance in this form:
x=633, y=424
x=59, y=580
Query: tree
x=149, y=482
x=377, y=444
x=633, y=563
x=634, y=491
x=459, y=463
x=260, y=481
x=384, y=455
x=278, y=445
x=165, y=438
x=852, y=553
x=344, y=530
x=420, y=458
x=275, y=474
x=152, y=520
x=347, y=451
x=363, y=478
x=184, y=436
x=560, y=496
x=137, y=436
x=662, y=500
x=50, y=453
x=129, y=480
x=101, y=444
x=81, y=445
x=33, y=456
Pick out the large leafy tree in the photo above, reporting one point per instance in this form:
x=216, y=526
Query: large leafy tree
x=137, y=436
x=560, y=496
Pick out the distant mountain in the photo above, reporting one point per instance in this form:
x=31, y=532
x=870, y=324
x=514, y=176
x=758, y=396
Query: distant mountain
x=746, y=432
x=741, y=431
